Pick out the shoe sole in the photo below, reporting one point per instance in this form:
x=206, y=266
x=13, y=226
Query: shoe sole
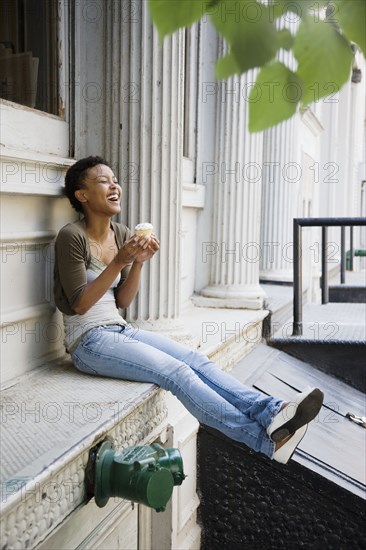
x=306, y=412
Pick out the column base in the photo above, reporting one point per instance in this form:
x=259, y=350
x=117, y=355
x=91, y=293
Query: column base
x=277, y=277
x=231, y=296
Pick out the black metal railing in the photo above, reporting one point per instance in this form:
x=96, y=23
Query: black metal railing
x=324, y=223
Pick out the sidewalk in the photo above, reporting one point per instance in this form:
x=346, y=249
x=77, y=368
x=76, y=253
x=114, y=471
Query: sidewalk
x=332, y=322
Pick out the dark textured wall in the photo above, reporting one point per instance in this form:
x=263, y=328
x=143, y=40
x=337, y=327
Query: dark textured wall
x=251, y=502
x=344, y=293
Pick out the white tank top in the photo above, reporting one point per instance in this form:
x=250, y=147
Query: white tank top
x=104, y=312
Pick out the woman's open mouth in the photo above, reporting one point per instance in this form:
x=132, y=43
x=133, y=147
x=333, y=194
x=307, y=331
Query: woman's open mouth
x=113, y=198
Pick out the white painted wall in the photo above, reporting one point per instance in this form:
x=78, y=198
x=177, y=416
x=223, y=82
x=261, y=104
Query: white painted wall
x=32, y=331
x=33, y=162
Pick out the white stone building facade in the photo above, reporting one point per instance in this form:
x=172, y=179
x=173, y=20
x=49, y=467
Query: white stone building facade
x=221, y=201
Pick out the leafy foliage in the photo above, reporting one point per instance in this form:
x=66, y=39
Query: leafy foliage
x=274, y=96
x=170, y=15
x=259, y=41
x=324, y=58
x=352, y=20
x=321, y=45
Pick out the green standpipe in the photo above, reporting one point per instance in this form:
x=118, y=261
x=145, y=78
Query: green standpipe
x=358, y=252
x=144, y=474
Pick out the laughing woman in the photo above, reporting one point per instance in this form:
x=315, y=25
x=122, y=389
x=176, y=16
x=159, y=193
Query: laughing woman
x=97, y=270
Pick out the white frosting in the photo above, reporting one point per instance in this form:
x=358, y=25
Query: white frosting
x=143, y=226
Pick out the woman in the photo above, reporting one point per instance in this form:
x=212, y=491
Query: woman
x=97, y=270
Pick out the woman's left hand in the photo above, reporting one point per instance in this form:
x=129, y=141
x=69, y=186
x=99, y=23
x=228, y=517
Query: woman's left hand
x=150, y=248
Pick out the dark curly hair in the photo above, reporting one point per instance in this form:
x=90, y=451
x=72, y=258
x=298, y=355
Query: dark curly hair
x=75, y=176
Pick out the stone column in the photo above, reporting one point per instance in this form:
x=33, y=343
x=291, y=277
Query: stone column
x=150, y=155
x=282, y=176
x=281, y=179
x=235, y=247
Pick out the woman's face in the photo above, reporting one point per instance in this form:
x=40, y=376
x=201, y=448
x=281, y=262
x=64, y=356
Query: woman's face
x=101, y=192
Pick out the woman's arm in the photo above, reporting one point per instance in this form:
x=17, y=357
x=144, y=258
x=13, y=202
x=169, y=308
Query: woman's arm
x=73, y=294
x=128, y=290
x=94, y=290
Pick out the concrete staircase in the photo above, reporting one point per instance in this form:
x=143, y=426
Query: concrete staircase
x=353, y=290
x=317, y=499
x=334, y=334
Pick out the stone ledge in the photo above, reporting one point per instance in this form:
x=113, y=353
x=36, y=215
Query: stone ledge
x=225, y=335
x=53, y=416
x=49, y=423
x=47, y=172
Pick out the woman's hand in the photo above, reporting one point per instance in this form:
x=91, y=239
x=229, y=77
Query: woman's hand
x=150, y=246
x=137, y=249
x=128, y=253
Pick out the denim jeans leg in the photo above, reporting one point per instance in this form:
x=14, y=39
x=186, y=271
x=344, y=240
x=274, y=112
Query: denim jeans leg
x=118, y=353
x=252, y=403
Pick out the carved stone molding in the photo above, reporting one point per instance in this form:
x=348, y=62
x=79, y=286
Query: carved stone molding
x=32, y=508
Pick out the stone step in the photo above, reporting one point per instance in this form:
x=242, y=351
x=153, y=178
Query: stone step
x=279, y=303
x=333, y=340
x=347, y=293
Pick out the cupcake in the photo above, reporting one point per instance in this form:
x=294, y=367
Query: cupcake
x=144, y=229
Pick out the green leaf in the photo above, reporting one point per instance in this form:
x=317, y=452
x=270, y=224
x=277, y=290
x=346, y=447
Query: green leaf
x=227, y=66
x=274, y=97
x=324, y=59
x=248, y=28
x=170, y=15
x=351, y=17
x=285, y=39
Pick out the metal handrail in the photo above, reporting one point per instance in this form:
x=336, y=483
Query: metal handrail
x=324, y=223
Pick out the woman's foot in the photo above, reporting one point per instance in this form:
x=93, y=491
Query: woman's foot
x=296, y=414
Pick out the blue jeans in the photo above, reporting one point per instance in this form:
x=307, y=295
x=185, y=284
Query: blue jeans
x=214, y=397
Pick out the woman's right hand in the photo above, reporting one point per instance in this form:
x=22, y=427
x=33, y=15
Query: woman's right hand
x=131, y=249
